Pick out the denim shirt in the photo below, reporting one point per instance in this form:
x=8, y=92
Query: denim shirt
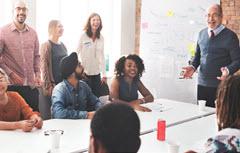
x=71, y=103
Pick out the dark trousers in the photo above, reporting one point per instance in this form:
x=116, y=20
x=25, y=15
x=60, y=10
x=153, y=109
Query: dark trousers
x=94, y=81
x=208, y=94
x=31, y=96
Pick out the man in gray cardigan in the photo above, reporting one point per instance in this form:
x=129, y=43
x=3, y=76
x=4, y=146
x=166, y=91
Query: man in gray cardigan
x=217, y=54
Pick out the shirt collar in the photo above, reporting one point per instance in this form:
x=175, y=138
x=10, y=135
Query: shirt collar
x=13, y=27
x=216, y=30
x=69, y=86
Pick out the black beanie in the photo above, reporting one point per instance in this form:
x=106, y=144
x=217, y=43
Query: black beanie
x=68, y=65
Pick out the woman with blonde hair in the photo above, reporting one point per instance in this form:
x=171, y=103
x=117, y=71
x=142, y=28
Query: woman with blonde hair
x=15, y=113
x=52, y=51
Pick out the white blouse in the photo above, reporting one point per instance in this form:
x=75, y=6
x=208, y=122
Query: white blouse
x=91, y=54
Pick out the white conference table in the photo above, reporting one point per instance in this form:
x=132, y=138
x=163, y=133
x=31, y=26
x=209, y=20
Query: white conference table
x=173, y=112
x=75, y=138
x=190, y=135
x=77, y=132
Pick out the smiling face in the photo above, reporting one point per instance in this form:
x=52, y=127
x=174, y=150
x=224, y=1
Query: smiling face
x=20, y=12
x=214, y=17
x=95, y=23
x=130, y=68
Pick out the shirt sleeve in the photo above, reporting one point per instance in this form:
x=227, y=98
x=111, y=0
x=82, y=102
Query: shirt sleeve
x=26, y=110
x=2, y=63
x=1, y=42
x=234, y=54
x=36, y=57
x=102, y=59
x=93, y=101
x=197, y=56
x=44, y=63
x=59, y=108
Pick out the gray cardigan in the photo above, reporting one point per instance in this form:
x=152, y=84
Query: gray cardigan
x=212, y=54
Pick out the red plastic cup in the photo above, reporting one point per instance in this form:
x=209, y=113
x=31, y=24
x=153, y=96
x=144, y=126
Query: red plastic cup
x=161, y=130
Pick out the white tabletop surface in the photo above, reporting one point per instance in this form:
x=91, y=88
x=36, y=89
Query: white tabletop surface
x=77, y=132
x=190, y=135
x=173, y=112
x=75, y=137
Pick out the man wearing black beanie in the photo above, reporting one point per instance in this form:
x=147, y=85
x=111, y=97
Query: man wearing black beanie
x=72, y=98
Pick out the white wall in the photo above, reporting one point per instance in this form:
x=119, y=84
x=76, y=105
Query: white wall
x=5, y=14
x=128, y=26
x=119, y=33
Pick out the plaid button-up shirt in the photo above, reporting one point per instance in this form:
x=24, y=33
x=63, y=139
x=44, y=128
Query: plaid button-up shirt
x=19, y=52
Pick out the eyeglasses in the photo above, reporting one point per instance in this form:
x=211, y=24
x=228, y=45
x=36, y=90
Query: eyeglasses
x=24, y=9
x=214, y=15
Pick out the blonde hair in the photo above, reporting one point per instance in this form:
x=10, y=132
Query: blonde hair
x=52, y=26
x=4, y=74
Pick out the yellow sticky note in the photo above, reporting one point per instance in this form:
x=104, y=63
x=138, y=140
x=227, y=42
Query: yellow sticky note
x=170, y=13
x=191, y=47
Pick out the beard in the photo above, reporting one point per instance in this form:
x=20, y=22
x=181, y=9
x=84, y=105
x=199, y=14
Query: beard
x=78, y=75
x=21, y=18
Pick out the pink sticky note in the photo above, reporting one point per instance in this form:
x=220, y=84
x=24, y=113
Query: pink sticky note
x=144, y=25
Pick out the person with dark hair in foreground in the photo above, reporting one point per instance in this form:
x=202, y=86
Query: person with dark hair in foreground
x=115, y=128
x=126, y=83
x=227, y=139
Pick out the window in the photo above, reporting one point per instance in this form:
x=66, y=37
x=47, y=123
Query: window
x=73, y=15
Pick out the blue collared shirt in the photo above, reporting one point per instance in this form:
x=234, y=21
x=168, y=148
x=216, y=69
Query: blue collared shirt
x=217, y=30
x=71, y=103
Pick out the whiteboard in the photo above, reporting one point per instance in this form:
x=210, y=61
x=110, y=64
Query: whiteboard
x=169, y=31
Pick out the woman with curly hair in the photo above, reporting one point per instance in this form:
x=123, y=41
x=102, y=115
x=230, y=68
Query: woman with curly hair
x=126, y=83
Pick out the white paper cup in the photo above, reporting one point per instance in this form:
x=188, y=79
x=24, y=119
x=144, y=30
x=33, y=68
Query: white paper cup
x=173, y=147
x=201, y=105
x=55, y=140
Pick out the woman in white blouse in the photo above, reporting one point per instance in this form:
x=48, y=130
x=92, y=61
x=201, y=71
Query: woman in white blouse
x=91, y=53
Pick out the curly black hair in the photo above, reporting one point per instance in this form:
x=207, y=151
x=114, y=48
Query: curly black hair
x=119, y=66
